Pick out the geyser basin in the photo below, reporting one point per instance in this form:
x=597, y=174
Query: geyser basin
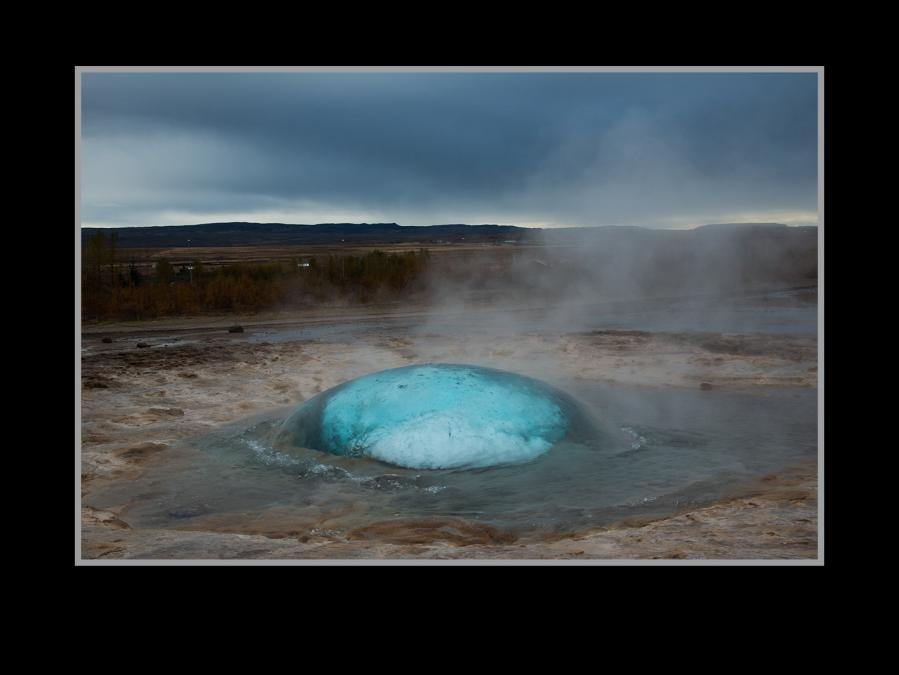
x=439, y=416
x=659, y=450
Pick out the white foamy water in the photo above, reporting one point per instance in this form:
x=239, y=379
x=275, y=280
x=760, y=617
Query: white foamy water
x=439, y=416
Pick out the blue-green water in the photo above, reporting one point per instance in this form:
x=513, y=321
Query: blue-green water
x=437, y=416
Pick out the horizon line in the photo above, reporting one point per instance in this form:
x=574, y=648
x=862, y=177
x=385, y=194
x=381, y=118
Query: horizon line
x=524, y=227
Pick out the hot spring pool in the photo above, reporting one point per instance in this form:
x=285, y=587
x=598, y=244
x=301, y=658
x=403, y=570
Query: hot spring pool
x=474, y=443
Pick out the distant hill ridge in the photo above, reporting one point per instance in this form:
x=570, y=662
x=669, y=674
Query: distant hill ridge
x=249, y=234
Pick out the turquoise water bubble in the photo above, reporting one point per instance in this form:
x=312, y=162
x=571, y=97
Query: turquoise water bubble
x=437, y=416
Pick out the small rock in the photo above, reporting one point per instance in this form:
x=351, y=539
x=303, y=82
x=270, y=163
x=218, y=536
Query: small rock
x=139, y=452
x=141, y=345
x=705, y=386
x=187, y=512
x=172, y=412
x=236, y=329
x=107, y=341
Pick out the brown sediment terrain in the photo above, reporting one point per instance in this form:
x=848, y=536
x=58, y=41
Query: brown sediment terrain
x=138, y=404
x=778, y=523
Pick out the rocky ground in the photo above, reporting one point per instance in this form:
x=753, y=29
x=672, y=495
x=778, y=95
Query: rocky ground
x=138, y=403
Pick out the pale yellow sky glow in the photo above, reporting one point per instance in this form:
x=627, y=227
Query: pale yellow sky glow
x=794, y=218
x=325, y=215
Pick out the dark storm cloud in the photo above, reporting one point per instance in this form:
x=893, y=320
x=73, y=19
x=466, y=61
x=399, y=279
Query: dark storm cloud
x=564, y=148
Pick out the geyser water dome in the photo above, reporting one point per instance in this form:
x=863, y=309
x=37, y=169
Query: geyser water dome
x=437, y=416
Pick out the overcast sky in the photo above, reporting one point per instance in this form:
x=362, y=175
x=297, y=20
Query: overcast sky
x=545, y=149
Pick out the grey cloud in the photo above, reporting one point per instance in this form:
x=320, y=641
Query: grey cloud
x=566, y=148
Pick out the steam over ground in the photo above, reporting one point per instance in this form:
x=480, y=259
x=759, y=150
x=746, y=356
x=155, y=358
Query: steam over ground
x=569, y=273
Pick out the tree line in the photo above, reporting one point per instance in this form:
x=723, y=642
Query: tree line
x=113, y=286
